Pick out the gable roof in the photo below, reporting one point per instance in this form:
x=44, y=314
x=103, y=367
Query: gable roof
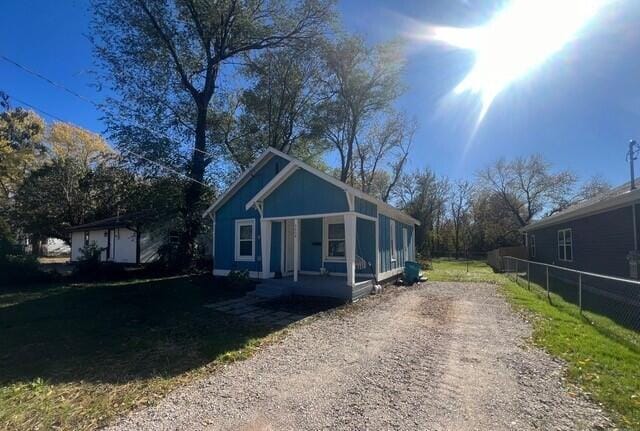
x=614, y=198
x=246, y=176
x=295, y=164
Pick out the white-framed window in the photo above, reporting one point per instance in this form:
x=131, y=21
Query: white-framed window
x=565, y=245
x=405, y=243
x=392, y=240
x=532, y=245
x=245, y=240
x=334, y=239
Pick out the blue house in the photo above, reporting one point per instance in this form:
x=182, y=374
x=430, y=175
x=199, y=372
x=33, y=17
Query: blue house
x=304, y=232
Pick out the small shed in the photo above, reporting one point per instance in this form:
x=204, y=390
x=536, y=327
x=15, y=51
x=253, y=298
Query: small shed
x=128, y=238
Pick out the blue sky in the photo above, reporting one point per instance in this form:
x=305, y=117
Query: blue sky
x=579, y=109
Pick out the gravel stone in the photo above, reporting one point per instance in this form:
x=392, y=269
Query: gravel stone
x=439, y=356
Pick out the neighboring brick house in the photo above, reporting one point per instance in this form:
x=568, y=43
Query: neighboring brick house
x=599, y=235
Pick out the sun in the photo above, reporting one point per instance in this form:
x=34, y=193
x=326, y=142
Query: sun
x=516, y=40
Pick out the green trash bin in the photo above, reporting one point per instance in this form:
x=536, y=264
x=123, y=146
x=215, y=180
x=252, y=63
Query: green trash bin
x=411, y=272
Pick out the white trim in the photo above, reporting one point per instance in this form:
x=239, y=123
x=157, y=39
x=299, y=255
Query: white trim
x=326, y=221
x=350, y=247
x=386, y=275
x=296, y=249
x=245, y=222
x=564, y=244
x=252, y=274
x=283, y=238
x=265, y=244
x=350, y=200
x=265, y=157
x=272, y=185
x=320, y=215
x=365, y=217
x=393, y=243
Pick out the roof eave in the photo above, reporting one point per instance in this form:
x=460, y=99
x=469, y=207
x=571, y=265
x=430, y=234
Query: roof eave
x=604, y=205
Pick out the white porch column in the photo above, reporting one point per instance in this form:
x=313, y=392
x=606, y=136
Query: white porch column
x=350, y=245
x=265, y=242
x=296, y=248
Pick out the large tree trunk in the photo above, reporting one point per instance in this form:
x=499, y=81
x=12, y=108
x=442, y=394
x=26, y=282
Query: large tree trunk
x=193, y=190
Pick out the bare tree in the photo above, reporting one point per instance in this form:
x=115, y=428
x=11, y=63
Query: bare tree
x=527, y=186
x=361, y=82
x=460, y=202
x=423, y=195
x=594, y=186
x=386, y=146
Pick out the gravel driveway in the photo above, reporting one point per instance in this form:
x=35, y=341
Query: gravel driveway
x=440, y=356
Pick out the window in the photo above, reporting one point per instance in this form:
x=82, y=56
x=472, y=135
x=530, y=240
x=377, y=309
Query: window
x=532, y=245
x=245, y=240
x=334, y=239
x=565, y=245
x=392, y=240
x=86, y=239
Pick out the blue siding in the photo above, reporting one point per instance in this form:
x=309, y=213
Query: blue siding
x=365, y=207
x=310, y=244
x=366, y=244
x=304, y=194
x=384, y=241
x=276, y=246
x=234, y=210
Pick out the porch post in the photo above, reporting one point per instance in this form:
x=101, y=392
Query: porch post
x=296, y=248
x=350, y=245
x=265, y=242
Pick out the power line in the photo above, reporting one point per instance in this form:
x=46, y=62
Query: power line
x=80, y=96
x=47, y=80
x=158, y=164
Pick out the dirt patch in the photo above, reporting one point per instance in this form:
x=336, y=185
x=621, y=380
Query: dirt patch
x=437, y=357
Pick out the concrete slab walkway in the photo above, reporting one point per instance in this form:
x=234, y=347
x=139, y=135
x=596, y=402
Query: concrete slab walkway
x=257, y=310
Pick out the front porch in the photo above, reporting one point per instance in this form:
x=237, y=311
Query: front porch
x=332, y=255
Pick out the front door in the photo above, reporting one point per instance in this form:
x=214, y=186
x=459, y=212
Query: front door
x=288, y=251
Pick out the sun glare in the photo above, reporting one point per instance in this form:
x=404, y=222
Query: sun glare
x=519, y=37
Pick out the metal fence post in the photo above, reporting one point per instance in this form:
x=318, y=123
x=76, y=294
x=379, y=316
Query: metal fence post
x=548, y=294
x=516, y=272
x=580, y=291
x=528, y=276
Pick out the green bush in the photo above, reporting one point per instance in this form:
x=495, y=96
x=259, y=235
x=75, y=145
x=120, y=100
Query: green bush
x=90, y=267
x=21, y=269
x=239, y=278
x=89, y=262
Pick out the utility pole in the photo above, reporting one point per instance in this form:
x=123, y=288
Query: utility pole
x=632, y=155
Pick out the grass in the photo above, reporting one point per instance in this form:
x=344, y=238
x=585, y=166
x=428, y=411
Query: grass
x=75, y=356
x=601, y=356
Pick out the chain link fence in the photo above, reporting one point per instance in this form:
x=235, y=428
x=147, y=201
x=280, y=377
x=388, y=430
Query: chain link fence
x=600, y=298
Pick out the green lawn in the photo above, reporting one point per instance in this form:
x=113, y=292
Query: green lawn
x=602, y=357
x=75, y=356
